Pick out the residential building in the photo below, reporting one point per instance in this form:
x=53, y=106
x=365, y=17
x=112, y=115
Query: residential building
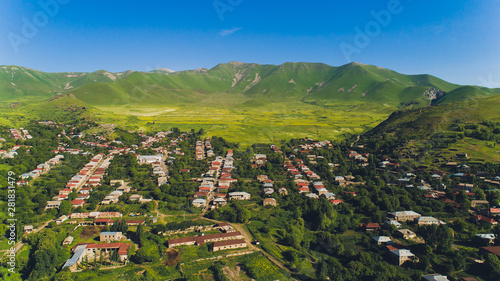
x=434, y=277
x=108, y=236
x=495, y=250
x=199, y=202
x=402, y=255
x=429, y=221
x=68, y=240
x=269, y=202
x=406, y=233
x=200, y=240
x=53, y=204
x=239, y=196
x=382, y=239
x=227, y=245
x=404, y=215
x=28, y=229
x=371, y=226
x=61, y=219
x=95, y=251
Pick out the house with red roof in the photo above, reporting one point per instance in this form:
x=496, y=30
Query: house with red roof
x=77, y=203
x=336, y=201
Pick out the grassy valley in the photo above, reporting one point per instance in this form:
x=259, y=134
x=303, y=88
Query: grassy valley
x=247, y=103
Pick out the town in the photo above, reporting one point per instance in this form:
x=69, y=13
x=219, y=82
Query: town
x=299, y=209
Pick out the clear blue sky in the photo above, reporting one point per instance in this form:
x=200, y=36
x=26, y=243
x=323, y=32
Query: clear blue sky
x=456, y=40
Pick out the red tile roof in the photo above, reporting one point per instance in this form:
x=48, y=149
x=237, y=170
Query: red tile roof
x=77, y=202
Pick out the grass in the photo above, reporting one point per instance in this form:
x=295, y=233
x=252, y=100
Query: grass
x=247, y=125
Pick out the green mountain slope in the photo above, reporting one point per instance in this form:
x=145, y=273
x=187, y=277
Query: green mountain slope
x=18, y=83
x=431, y=120
x=313, y=83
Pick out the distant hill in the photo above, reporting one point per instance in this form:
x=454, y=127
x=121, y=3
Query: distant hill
x=431, y=120
x=18, y=83
x=313, y=83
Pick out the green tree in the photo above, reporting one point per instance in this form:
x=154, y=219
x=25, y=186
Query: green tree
x=494, y=265
x=65, y=208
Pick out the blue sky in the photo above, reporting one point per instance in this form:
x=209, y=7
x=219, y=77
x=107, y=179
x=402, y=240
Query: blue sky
x=455, y=40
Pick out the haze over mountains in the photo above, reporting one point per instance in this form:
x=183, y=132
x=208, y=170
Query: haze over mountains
x=249, y=84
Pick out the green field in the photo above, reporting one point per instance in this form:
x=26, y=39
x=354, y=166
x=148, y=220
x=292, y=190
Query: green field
x=246, y=126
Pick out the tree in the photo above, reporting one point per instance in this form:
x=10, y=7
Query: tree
x=115, y=257
x=120, y=226
x=64, y=275
x=147, y=253
x=65, y=208
x=140, y=234
x=494, y=264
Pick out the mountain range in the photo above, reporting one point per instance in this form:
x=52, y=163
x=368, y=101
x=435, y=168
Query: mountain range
x=312, y=83
x=248, y=102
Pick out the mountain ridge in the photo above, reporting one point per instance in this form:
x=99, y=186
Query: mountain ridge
x=313, y=83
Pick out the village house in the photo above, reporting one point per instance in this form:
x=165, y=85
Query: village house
x=402, y=216
x=200, y=240
x=489, y=237
x=336, y=202
x=124, y=189
x=100, y=222
x=53, y=204
x=220, y=201
x=95, y=215
x=134, y=222
x=161, y=181
x=282, y=191
x=109, y=236
x=68, y=240
x=239, y=196
x=478, y=203
x=230, y=244
x=28, y=229
x=135, y=197
x=402, y=255
x=261, y=178
x=199, y=202
x=484, y=219
x=95, y=251
x=434, y=277
x=371, y=226
x=77, y=203
x=149, y=159
x=114, y=182
x=61, y=219
x=382, y=239
x=429, y=221
x=406, y=233
x=495, y=250
x=269, y=202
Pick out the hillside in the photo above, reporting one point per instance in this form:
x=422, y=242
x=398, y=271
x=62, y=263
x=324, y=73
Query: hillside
x=313, y=83
x=20, y=83
x=249, y=83
x=435, y=134
x=246, y=103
